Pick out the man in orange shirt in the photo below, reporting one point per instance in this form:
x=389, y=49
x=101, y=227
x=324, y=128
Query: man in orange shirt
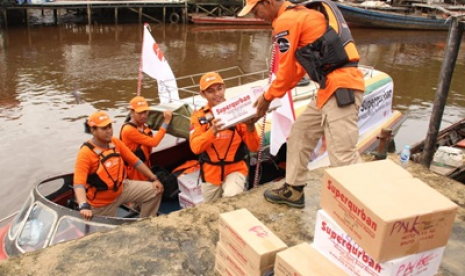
x=138, y=137
x=222, y=151
x=100, y=183
x=309, y=42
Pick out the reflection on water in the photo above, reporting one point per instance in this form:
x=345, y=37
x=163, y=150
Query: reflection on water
x=51, y=78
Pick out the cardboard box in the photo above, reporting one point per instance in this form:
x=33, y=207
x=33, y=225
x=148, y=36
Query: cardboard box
x=221, y=268
x=189, y=185
x=254, y=244
x=234, y=266
x=304, y=260
x=186, y=202
x=240, y=108
x=339, y=247
x=388, y=213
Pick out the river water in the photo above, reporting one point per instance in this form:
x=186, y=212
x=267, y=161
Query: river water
x=53, y=77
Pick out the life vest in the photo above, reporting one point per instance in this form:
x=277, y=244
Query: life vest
x=139, y=152
x=211, y=155
x=335, y=49
x=110, y=172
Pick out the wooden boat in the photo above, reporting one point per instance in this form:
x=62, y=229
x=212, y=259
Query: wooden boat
x=413, y=17
x=451, y=136
x=226, y=20
x=50, y=216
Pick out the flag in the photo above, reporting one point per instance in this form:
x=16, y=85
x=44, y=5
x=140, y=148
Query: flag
x=155, y=65
x=282, y=118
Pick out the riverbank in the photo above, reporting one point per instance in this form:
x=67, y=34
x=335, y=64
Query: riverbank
x=184, y=242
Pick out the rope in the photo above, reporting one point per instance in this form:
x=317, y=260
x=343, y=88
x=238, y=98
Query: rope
x=139, y=81
x=262, y=127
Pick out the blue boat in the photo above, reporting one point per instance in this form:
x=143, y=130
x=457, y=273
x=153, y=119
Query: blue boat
x=414, y=17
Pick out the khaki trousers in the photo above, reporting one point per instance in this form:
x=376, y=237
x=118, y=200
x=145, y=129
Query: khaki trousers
x=233, y=184
x=140, y=192
x=340, y=128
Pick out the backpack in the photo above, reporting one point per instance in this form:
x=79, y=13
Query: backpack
x=169, y=181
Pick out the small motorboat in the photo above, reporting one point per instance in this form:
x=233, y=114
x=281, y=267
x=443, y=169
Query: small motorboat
x=452, y=136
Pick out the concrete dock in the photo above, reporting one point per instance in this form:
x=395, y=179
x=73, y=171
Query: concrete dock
x=184, y=242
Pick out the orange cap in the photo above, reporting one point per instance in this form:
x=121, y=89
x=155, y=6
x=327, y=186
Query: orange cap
x=209, y=79
x=139, y=104
x=250, y=4
x=99, y=119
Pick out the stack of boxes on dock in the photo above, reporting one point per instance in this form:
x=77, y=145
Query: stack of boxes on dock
x=246, y=246
x=190, y=191
x=377, y=219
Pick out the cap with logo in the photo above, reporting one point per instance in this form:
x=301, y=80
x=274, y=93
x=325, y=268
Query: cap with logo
x=139, y=104
x=99, y=119
x=209, y=79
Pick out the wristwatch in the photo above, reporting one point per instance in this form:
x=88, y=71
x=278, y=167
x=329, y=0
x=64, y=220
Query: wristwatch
x=84, y=206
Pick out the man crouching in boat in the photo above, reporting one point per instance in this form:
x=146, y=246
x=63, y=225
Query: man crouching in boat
x=222, y=151
x=313, y=39
x=100, y=183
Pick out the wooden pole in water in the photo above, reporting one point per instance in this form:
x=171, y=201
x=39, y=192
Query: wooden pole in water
x=5, y=19
x=445, y=77
x=116, y=15
x=89, y=15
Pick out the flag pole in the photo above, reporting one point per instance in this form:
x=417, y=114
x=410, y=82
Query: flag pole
x=262, y=127
x=139, y=79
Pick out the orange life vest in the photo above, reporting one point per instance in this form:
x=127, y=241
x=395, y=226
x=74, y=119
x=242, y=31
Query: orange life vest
x=110, y=173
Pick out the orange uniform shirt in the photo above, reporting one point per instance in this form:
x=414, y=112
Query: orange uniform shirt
x=133, y=137
x=202, y=140
x=87, y=162
x=295, y=28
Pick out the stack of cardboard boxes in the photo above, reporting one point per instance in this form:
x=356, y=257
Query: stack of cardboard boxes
x=190, y=191
x=246, y=246
x=377, y=219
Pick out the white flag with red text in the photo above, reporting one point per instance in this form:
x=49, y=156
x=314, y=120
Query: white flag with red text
x=283, y=117
x=155, y=65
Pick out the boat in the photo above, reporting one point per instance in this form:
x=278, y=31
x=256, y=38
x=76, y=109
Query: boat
x=50, y=216
x=226, y=20
x=416, y=16
x=451, y=136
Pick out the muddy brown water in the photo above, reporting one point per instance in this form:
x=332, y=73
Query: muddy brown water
x=52, y=77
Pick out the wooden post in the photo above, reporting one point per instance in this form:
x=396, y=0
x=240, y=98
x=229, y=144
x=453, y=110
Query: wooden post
x=140, y=15
x=116, y=15
x=445, y=77
x=89, y=15
x=5, y=18
x=27, y=17
x=55, y=16
x=164, y=13
x=384, y=139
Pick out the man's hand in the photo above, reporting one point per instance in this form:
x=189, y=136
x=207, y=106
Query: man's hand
x=250, y=125
x=168, y=115
x=86, y=214
x=262, y=106
x=216, y=126
x=157, y=186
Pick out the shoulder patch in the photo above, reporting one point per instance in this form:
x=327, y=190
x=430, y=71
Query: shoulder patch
x=281, y=34
x=283, y=45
